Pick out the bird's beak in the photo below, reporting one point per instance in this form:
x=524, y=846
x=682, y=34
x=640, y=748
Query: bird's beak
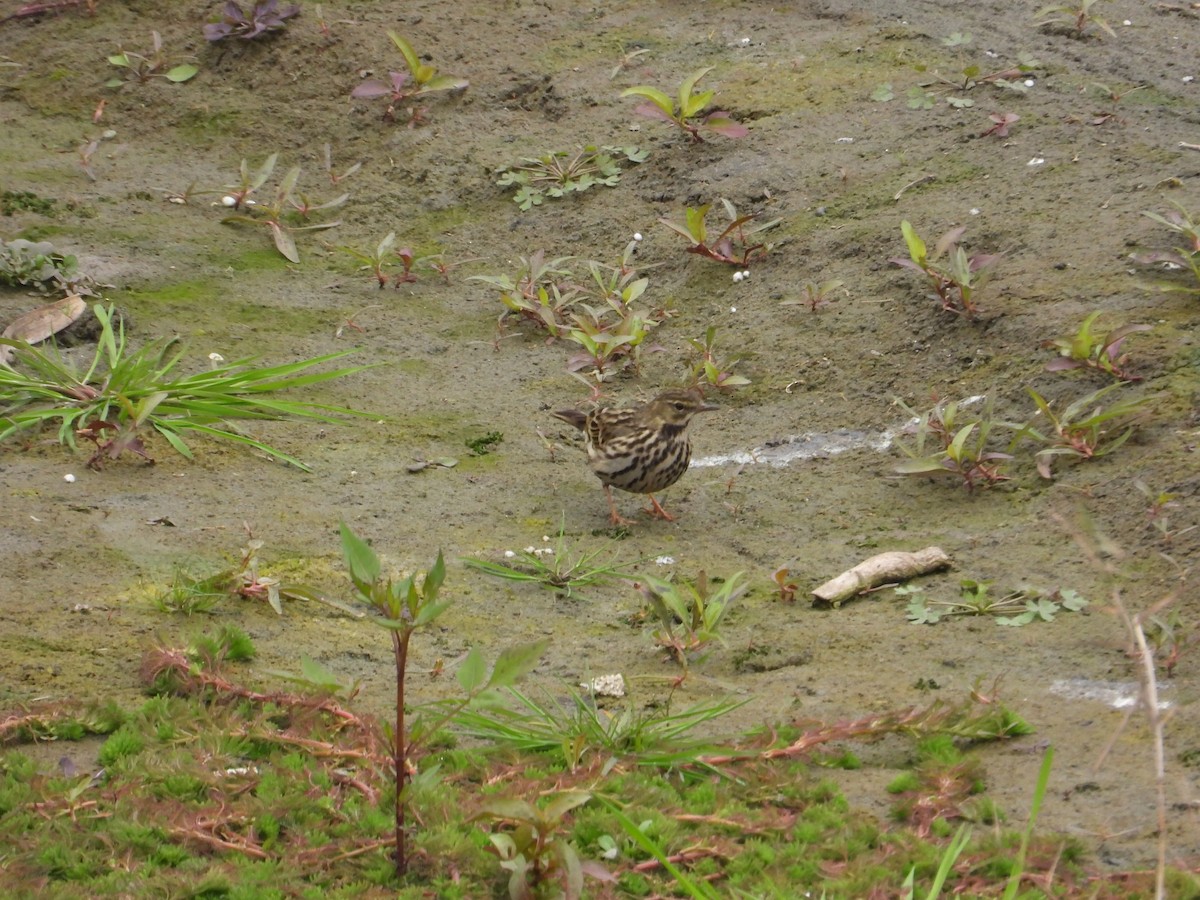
x=707, y=407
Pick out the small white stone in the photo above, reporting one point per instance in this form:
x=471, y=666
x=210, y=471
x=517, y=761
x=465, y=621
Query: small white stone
x=745, y=42
x=252, y=203
x=228, y=201
x=1127, y=22
x=737, y=276
x=531, y=549
x=1029, y=82
x=545, y=539
x=1188, y=79
x=508, y=554
x=664, y=560
x=1036, y=161
x=637, y=235
x=69, y=478
x=109, y=134
x=216, y=358
x=177, y=200
x=733, y=309
x=974, y=210
x=745, y=273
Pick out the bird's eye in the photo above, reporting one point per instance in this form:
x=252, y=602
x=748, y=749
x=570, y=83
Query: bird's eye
x=680, y=405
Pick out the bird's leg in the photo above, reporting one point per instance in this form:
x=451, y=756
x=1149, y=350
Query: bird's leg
x=615, y=517
x=657, y=511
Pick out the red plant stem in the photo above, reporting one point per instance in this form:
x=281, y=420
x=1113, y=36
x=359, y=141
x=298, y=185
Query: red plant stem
x=400, y=639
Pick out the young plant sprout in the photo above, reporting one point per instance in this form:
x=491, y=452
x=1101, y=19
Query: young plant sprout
x=686, y=110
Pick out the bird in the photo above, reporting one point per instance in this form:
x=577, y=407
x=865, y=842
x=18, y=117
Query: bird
x=640, y=449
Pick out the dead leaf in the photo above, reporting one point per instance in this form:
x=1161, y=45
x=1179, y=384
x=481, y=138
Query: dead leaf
x=45, y=321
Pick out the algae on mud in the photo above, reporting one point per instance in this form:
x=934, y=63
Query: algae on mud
x=823, y=157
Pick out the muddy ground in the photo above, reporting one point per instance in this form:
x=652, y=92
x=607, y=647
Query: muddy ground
x=1061, y=197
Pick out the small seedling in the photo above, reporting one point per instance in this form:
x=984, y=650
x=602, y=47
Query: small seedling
x=975, y=599
x=969, y=76
x=1001, y=122
x=334, y=177
x=1075, y=16
x=139, y=68
x=264, y=18
x=279, y=216
x=558, y=173
x=420, y=80
x=536, y=849
x=954, y=283
x=685, y=112
x=958, y=448
x=557, y=567
x=816, y=296
x=38, y=265
x=608, y=347
x=708, y=370
x=539, y=292
x=1187, y=257
x=386, y=256
x=690, y=613
x=1084, y=349
x=1156, y=513
x=1086, y=429
x=732, y=246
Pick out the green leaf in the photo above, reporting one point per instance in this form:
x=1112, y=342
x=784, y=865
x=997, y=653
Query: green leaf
x=410, y=56
x=119, y=59
x=317, y=675
x=360, y=558
x=1072, y=600
x=182, y=73
x=563, y=803
x=516, y=662
x=428, y=612
x=883, y=93
x=655, y=96
x=916, y=247
x=685, y=93
x=443, y=83
x=434, y=577
x=472, y=672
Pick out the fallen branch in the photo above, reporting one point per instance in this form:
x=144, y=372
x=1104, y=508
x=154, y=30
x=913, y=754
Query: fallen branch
x=885, y=568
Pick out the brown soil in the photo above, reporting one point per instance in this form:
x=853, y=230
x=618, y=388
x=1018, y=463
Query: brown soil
x=823, y=156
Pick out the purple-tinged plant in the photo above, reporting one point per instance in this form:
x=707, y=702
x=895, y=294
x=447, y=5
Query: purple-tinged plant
x=955, y=283
x=1085, y=350
x=420, y=79
x=1000, y=124
x=733, y=245
x=958, y=448
x=264, y=18
x=685, y=111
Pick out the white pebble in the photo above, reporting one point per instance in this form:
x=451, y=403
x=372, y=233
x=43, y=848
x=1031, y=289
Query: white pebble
x=1188, y=79
x=974, y=210
x=737, y=276
x=1036, y=161
x=216, y=358
x=664, y=560
x=508, y=554
x=109, y=134
x=252, y=203
x=1029, y=82
x=745, y=273
x=228, y=201
x=1127, y=22
x=745, y=42
x=733, y=309
x=637, y=235
x=69, y=478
